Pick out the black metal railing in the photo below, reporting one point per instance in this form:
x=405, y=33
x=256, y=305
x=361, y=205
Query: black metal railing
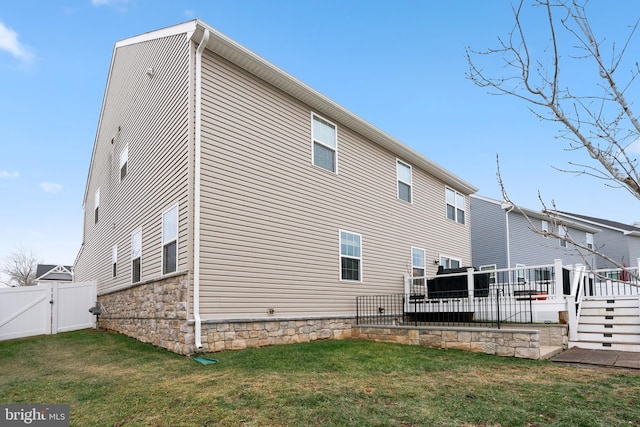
x=487, y=308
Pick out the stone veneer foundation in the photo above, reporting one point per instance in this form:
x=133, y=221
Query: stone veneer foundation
x=511, y=342
x=156, y=312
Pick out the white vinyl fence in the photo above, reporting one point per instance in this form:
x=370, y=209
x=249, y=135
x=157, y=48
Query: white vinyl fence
x=46, y=309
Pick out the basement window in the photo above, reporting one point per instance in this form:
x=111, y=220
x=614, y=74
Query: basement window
x=170, y=240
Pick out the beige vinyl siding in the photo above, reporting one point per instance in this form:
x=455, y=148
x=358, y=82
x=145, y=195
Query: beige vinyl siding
x=151, y=115
x=271, y=220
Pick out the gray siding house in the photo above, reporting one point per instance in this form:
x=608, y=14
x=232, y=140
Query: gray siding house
x=229, y=205
x=618, y=241
x=502, y=236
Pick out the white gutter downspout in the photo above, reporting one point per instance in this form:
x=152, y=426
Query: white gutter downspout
x=506, y=216
x=196, y=190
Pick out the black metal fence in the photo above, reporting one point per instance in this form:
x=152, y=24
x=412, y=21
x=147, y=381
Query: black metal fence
x=488, y=307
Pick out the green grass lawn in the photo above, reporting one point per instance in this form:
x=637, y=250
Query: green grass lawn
x=109, y=379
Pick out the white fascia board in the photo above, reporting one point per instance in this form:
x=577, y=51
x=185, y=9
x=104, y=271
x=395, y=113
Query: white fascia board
x=186, y=27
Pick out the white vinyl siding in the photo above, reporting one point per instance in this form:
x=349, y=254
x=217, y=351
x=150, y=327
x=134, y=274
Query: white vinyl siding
x=170, y=240
x=456, y=206
x=150, y=117
x=404, y=176
x=324, y=144
x=270, y=218
x=350, y=256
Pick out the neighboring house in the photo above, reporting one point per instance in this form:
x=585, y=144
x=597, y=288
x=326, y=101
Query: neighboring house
x=230, y=205
x=618, y=241
x=49, y=273
x=502, y=236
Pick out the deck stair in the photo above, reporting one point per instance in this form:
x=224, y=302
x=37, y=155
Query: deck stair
x=609, y=323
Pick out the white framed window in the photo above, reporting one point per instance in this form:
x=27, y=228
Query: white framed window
x=418, y=265
x=520, y=276
x=418, y=262
x=456, y=206
x=562, y=232
x=136, y=256
x=447, y=262
x=324, y=141
x=589, y=240
x=404, y=176
x=124, y=159
x=545, y=226
x=170, y=240
x=114, y=261
x=96, y=205
x=350, y=256
x=491, y=268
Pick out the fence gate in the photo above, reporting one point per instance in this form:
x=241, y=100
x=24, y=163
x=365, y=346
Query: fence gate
x=46, y=309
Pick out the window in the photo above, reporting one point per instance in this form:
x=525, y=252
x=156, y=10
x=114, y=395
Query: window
x=492, y=275
x=520, y=273
x=114, y=261
x=350, y=256
x=403, y=172
x=589, y=240
x=96, y=205
x=170, y=240
x=545, y=227
x=325, y=145
x=455, y=206
x=418, y=265
x=562, y=232
x=136, y=256
x=124, y=158
x=446, y=262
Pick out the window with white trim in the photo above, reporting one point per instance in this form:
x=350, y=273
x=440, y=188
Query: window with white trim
x=404, y=175
x=456, y=206
x=96, y=205
x=124, y=159
x=418, y=265
x=562, y=232
x=589, y=240
x=350, y=256
x=520, y=273
x=491, y=268
x=545, y=227
x=114, y=261
x=170, y=240
x=446, y=262
x=325, y=144
x=136, y=256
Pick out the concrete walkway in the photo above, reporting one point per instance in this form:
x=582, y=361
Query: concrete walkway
x=608, y=358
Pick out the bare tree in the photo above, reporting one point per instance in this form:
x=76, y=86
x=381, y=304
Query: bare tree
x=591, y=102
x=596, y=118
x=20, y=267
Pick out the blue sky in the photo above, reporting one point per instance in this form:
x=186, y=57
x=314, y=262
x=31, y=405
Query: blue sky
x=398, y=64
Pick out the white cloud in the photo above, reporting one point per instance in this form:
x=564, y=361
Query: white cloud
x=118, y=4
x=5, y=174
x=9, y=42
x=51, y=187
x=188, y=13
